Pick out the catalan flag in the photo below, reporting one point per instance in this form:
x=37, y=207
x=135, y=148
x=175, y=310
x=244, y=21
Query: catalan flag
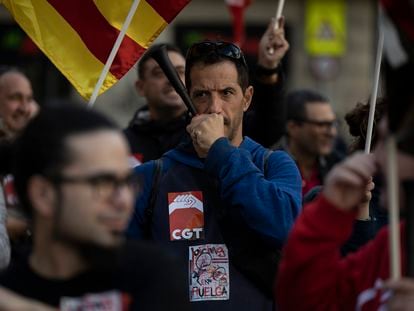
x=78, y=35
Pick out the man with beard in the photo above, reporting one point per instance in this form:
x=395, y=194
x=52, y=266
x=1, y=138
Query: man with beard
x=217, y=192
x=161, y=124
x=311, y=133
x=78, y=190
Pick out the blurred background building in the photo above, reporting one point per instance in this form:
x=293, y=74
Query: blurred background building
x=332, y=50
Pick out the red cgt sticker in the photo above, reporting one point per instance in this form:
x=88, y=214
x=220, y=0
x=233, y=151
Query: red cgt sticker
x=186, y=215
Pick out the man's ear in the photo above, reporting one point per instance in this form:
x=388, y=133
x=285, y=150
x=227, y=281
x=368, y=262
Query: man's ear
x=42, y=195
x=291, y=128
x=248, y=95
x=139, y=85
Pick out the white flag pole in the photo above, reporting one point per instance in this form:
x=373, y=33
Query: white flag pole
x=392, y=192
x=279, y=11
x=113, y=53
x=393, y=204
x=374, y=95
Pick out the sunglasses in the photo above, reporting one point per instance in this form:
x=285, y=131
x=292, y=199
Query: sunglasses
x=220, y=48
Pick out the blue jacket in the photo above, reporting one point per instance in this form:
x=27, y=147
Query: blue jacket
x=269, y=205
x=234, y=194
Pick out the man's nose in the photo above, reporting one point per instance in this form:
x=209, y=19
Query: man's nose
x=330, y=130
x=25, y=104
x=216, y=105
x=123, y=198
x=166, y=80
x=333, y=131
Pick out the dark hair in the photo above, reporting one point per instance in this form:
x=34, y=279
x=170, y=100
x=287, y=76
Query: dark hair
x=296, y=101
x=41, y=148
x=149, y=55
x=357, y=120
x=211, y=58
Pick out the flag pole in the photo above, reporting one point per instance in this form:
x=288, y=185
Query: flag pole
x=394, y=239
x=374, y=95
x=279, y=11
x=393, y=204
x=113, y=53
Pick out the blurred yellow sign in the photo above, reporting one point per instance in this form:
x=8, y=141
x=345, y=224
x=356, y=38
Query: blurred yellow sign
x=325, y=27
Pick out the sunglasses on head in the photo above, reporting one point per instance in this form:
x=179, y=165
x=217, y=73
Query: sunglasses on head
x=226, y=49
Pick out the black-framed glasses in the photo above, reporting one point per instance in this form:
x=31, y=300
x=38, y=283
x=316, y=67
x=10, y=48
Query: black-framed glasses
x=104, y=185
x=324, y=124
x=221, y=48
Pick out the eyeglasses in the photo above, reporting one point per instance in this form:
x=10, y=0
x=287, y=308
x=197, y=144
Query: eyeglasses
x=325, y=124
x=105, y=185
x=226, y=49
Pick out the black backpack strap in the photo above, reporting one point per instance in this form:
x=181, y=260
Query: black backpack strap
x=149, y=210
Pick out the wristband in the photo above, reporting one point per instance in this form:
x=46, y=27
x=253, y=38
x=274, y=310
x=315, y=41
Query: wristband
x=262, y=71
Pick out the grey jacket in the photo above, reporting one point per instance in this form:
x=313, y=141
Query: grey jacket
x=4, y=238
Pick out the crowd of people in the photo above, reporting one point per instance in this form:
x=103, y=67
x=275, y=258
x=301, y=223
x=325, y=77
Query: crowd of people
x=251, y=204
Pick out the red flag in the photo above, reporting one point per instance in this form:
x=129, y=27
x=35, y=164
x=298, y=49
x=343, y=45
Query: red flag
x=237, y=8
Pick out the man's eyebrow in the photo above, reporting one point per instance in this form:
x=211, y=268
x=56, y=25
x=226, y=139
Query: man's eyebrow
x=17, y=93
x=199, y=90
x=156, y=68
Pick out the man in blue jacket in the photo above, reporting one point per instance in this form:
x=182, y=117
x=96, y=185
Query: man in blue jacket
x=212, y=194
x=160, y=125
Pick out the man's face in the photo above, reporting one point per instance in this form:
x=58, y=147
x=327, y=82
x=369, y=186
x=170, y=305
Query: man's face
x=16, y=101
x=156, y=88
x=93, y=213
x=316, y=135
x=215, y=89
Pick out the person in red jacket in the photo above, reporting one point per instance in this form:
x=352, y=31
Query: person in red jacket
x=312, y=274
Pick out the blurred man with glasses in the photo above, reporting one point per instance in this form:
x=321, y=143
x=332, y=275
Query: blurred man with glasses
x=311, y=131
x=74, y=182
x=220, y=201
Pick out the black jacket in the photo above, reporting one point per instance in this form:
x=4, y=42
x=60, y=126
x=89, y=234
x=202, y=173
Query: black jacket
x=145, y=273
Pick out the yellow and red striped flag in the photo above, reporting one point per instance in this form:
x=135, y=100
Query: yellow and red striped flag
x=78, y=35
